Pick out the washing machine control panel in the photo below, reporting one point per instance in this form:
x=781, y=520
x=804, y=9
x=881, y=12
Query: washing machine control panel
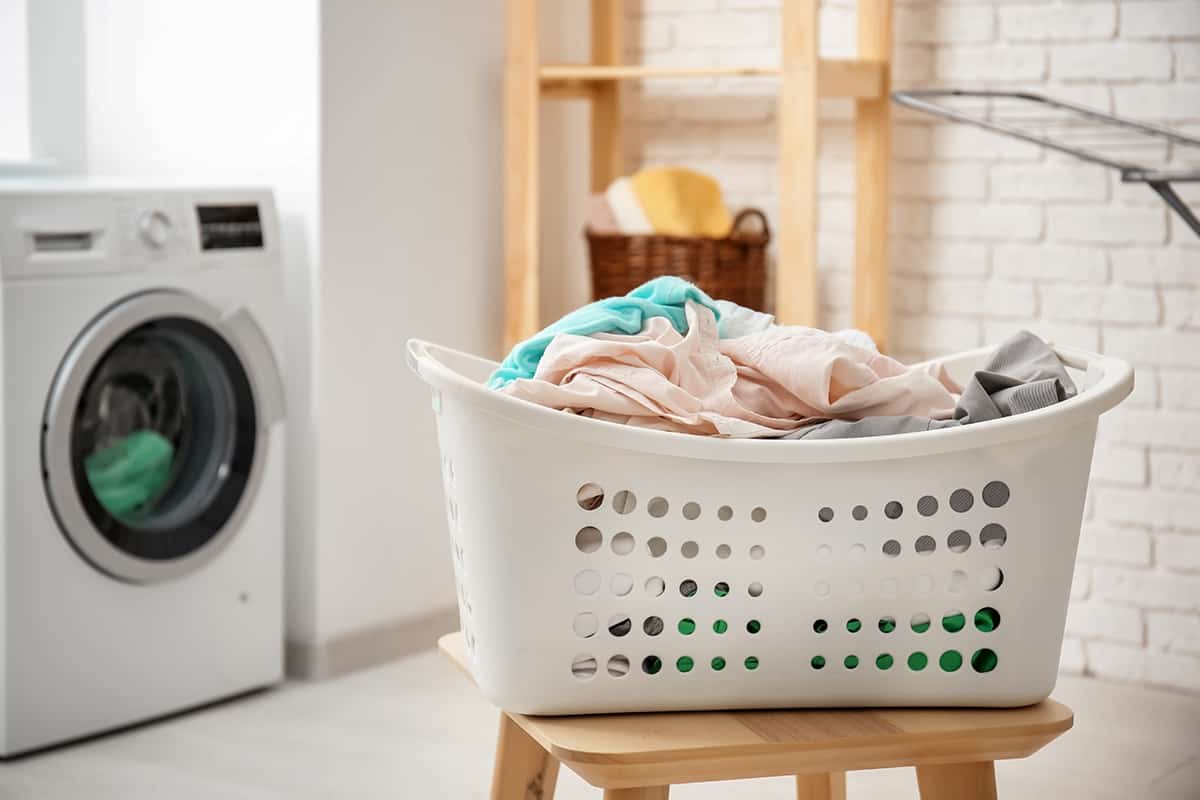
x=84, y=232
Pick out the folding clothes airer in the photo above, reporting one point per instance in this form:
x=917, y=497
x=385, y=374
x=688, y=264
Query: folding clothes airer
x=1057, y=124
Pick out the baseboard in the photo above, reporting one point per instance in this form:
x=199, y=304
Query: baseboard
x=367, y=647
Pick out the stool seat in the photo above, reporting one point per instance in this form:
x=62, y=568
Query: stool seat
x=635, y=751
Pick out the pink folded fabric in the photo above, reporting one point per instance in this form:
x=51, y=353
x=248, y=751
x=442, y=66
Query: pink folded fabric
x=759, y=385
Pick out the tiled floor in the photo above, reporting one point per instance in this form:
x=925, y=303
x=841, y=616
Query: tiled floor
x=416, y=728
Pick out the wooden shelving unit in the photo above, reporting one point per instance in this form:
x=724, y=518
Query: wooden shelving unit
x=803, y=78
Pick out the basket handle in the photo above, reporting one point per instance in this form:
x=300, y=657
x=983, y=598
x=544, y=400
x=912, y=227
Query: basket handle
x=748, y=213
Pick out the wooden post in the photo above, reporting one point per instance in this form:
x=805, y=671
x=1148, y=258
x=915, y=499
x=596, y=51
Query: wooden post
x=796, y=275
x=821, y=786
x=972, y=781
x=520, y=171
x=872, y=149
x=607, y=50
x=522, y=770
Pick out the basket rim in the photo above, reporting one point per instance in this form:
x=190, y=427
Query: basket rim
x=1113, y=384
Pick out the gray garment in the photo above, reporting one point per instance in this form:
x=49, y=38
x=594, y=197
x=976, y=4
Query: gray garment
x=1022, y=375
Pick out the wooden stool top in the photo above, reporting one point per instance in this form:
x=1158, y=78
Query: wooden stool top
x=687, y=746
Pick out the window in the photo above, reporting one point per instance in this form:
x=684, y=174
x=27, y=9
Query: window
x=14, y=82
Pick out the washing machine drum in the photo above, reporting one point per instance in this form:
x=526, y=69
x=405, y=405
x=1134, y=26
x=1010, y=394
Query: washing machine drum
x=153, y=438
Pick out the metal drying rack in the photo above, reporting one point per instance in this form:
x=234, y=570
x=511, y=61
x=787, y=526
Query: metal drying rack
x=1059, y=134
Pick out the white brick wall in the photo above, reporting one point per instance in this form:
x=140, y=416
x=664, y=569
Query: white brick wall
x=990, y=234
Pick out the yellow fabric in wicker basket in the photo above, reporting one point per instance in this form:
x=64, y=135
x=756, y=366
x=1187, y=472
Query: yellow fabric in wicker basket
x=682, y=202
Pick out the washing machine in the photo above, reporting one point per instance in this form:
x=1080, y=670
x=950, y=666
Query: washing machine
x=142, y=445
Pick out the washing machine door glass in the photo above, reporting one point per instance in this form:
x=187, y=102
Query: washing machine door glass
x=151, y=439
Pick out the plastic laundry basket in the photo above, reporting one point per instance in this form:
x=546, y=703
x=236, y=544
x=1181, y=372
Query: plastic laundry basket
x=603, y=568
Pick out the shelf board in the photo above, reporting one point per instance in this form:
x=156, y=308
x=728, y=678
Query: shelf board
x=837, y=78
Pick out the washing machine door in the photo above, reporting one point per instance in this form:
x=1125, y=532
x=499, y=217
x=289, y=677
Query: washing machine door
x=154, y=435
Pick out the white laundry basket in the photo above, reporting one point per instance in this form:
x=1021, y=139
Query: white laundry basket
x=603, y=568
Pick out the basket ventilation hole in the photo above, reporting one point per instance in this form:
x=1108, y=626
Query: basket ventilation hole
x=961, y=500
x=917, y=661
x=993, y=536
x=622, y=543
x=652, y=626
x=893, y=510
x=658, y=507
x=624, y=502
x=927, y=506
x=583, y=667
x=755, y=589
x=859, y=513
x=884, y=661
x=854, y=625
x=759, y=514
x=858, y=550
x=924, y=584
x=691, y=510
x=891, y=548
x=587, y=581
x=953, y=621
x=721, y=588
x=723, y=551
x=825, y=514
x=651, y=665
x=687, y=626
x=824, y=552
x=889, y=587
x=590, y=496
x=586, y=625
x=995, y=494
x=822, y=588
x=724, y=513
x=924, y=545
x=621, y=584
x=919, y=622
x=957, y=583
x=850, y=661
x=589, y=539
x=820, y=626
x=620, y=625
x=684, y=663
x=718, y=664
x=657, y=546
x=618, y=666
x=950, y=661
x=887, y=624
x=690, y=549
x=751, y=663
x=958, y=541
x=991, y=579
x=655, y=586
x=757, y=552
x=987, y=619
x=753, y=626
x=720, y=626
x=984, y=660
x=818, y=662
x=687, y=588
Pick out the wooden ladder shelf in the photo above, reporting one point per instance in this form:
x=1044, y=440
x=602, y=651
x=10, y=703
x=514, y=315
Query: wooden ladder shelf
x=804, y=77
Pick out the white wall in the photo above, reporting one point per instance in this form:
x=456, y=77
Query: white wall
x=378, y=125
x=410, y=158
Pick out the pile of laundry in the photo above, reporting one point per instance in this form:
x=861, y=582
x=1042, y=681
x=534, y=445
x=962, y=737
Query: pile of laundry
x=669, y=357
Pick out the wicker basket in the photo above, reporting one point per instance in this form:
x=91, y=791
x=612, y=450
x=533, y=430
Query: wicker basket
x=733, y=268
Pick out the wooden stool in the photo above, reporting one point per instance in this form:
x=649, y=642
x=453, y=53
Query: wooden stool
x=639, y=756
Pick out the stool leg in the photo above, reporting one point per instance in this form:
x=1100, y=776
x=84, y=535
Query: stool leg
x=821, y=786
x=523, y=770
x=973, y=781
x=640, y=793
